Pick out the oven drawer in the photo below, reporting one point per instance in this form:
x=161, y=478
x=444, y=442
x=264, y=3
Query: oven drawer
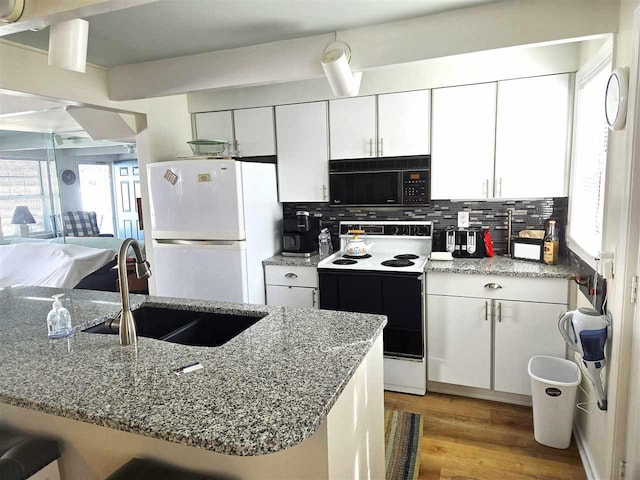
x=291, y=276
x=527, y=289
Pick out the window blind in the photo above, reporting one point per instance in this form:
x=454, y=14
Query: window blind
x=586, y=200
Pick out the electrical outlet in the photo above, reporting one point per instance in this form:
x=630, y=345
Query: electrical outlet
x=463, y=219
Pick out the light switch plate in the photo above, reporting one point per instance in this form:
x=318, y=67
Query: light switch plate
x=463, y=219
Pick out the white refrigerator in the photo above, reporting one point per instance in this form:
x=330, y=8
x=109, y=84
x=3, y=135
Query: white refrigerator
x=212, y=224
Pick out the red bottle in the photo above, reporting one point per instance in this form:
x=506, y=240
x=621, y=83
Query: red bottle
x=488, y=243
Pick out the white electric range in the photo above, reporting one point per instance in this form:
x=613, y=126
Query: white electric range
x=389, y=280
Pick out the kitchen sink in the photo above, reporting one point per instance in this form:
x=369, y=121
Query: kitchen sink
x=202, y=329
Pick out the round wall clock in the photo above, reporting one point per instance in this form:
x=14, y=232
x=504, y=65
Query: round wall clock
x=615, y=99
x=68, y=177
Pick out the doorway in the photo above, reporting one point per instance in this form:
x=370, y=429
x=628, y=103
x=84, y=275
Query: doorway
x=96, y=194
x=127, y=192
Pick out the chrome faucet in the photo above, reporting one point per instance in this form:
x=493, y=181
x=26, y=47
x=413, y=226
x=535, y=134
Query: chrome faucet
x=127, y=325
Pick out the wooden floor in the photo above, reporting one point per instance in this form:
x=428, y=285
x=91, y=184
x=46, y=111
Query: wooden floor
x=465, y=439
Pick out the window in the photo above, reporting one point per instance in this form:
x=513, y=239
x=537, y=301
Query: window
x=589, y=157
x=24, y=182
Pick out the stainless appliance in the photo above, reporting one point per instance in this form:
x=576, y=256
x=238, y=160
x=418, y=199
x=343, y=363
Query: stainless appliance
x=380, y=181
x=300, y=235
x=388, y=280
x=463, y=243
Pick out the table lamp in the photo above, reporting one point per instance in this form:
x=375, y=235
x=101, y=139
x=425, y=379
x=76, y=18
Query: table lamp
x=23, y=218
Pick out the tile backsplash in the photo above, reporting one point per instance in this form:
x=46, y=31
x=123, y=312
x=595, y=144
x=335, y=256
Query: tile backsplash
x=527, y=214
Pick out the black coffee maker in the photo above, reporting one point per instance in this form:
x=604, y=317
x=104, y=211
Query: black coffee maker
x=300, y=237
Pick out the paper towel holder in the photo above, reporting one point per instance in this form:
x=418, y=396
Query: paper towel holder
x=335, y=63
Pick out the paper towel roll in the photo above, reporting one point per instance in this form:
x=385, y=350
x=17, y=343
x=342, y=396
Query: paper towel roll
x=336, y=68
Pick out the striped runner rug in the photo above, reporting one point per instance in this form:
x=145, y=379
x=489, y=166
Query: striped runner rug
x=402, y=439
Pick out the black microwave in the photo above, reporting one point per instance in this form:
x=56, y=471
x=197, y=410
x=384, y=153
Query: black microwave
x=380, y=181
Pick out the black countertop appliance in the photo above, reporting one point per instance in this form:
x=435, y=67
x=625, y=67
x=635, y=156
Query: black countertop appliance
x=300, y=236
x=463, y=242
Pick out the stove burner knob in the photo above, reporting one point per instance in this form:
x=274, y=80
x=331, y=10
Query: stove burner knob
x=395, y=230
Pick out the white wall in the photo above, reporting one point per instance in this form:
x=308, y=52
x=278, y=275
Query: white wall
x=441, y=72
x=604, y=433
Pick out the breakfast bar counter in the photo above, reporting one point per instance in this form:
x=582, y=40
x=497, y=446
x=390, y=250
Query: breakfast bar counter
x=266, y=392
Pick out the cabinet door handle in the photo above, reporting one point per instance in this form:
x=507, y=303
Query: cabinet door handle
x=494, y=286
x=486, y=311
x=500, y=187
x=324, y=192
x=500, y=312
x=313, y=298
x=371, y=147
x=381, y=147
x=291, y=275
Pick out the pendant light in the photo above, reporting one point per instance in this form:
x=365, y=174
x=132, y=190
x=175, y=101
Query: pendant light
x=68, y=44
x=335, y=63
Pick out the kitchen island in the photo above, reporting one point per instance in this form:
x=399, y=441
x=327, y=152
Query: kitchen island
x=297, y=395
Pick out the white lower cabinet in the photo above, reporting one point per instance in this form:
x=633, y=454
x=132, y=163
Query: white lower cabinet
x=487, y=342
x=459, y=341
x=292, y=296
x=291, y=286
x=523, y=330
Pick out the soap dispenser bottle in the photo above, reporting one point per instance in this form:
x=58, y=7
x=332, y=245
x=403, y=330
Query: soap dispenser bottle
x=58, y=319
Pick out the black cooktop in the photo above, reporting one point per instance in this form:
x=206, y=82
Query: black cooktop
x=406, y=256
x=398, y=263
x=344, y=261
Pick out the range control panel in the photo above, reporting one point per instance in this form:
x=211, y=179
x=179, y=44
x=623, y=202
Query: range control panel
x=389, y=229
x=415, y=187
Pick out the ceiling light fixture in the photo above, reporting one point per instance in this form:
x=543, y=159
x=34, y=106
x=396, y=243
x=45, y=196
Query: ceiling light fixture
x=335, y=63
x=11, y=10
x=68, y=45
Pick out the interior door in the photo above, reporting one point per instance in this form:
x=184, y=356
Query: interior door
x=459, y=340
x=196, y=199
x=352, y=127
x=463, y=142
x=208, y=271
x=523, y=330
x=126, y=192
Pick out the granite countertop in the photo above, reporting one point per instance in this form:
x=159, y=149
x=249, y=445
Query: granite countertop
x=499, y=265
x=265, y=390
x=294, y=261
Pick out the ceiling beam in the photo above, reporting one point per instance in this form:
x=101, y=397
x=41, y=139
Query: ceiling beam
x=485, y=27
x=39, y=14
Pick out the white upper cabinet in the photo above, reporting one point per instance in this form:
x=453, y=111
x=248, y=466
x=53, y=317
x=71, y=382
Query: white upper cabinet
x=532, y=137
x=352, y=126
x=303, y=152
x=403, y=123
x=463, y=141
x=214, y=126
x=255, y=132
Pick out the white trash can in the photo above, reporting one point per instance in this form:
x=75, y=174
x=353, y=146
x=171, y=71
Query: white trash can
x=554, y=384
